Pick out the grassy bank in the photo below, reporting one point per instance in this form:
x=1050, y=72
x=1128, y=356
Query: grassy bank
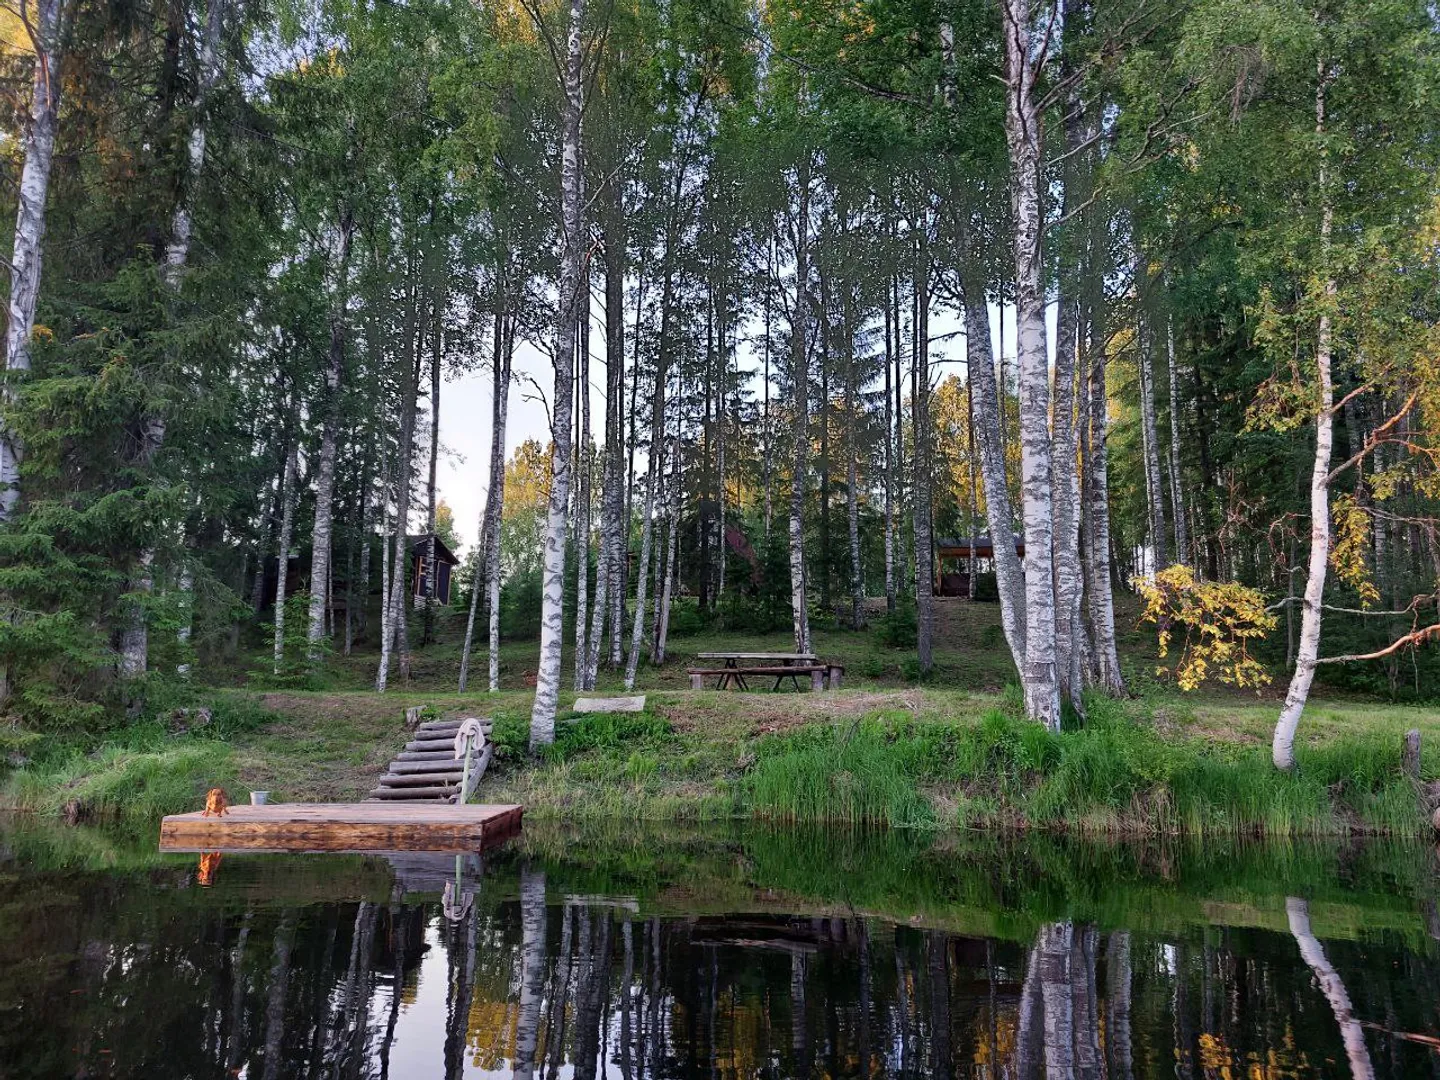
x=918, y=758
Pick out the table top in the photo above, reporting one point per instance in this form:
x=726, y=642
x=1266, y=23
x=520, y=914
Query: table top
x=757, y=656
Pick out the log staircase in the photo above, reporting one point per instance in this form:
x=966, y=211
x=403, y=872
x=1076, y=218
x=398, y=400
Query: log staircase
x=427, y=770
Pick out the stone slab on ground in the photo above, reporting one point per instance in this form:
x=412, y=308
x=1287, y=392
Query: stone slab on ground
x=633, y=703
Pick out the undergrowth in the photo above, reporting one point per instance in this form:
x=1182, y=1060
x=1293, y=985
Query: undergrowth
x=1113, y=775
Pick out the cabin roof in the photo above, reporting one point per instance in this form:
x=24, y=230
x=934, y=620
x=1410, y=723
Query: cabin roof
x=980, y=545
x=418, y=545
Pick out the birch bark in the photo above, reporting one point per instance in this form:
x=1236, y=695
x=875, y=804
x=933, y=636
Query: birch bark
x=396, y=631
x=282, y=551
x=29, y=245
x=921, y=462
x=1177, y=484
x=1022, y=133
x=612, y=542
x=990, y=440
x=1100, y=601
x=800, y=378
x=672, y=532
x=495, y=503
x=1154, y=492
x=436, y=353
x=552, y=628
x=889, y=478
x=322, y=530
x=584, y=457
x=852, y=477
x=1308, y=650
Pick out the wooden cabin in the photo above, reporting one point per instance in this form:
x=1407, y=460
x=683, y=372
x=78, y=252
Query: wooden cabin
x=953, y=557
x=445, y=562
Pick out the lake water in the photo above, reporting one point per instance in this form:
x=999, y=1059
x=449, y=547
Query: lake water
x=746, y=953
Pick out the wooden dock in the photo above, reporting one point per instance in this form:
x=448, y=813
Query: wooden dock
x=371, y=826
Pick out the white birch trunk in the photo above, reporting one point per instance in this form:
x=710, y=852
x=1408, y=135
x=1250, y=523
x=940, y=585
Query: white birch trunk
x=1022, y=132
x=1069, y=625
x=800, y=377
x=922, y=464
x=852, y=474
x=496, y=500
x=1154, y=491
x=532, y=973
x=29, y=245
x=436, y=355
x=282, y=552
x=889, y=478
x=1104, y=655
x=1308, y=650
x=552, y=619
x=652, y=484
x=672, y=546
x=988, y=425
x=1177, y=484
x=321, y=533
x=396, y=632
x=584, y=456
x=495, y=492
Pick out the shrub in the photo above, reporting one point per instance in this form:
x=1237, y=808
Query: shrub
x=898, y=629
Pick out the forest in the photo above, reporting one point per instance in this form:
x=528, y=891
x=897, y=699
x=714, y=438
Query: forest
x=816, y=286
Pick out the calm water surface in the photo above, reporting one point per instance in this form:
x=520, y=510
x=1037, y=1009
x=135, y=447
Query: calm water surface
x=747, y=954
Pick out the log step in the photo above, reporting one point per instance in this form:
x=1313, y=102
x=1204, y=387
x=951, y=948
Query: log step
x=430, y=745
x=414, y=780
x=414, y=793
x=438, y=727
x=416, y=768
x=427, y=755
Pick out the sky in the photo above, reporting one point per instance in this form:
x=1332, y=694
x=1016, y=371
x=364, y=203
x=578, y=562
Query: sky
x=465, y=405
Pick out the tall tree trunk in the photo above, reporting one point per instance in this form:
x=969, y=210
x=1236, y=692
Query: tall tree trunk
x=427, y=634
x=889, y=477
x=552, y=617
x=1118, y=978
x=1308, y=650
x=800, y=378
x=29, y=245
x=396, y=630
x=495, y=492
x=988, y=425
x=767, y=432
x=920, y=413
x=288, y=497
x=653, y=470
x=673, y=492
x=612, y=536
x=1177, y=484
x=1054, y=947
x=852, y=478
x=1154, y=491
x=1022, y=132
x=583, y=458
x=321, y=534
x=134, y=638
x=495, y=498
x=1100, y=602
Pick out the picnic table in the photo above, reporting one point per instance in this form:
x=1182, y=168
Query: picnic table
x=782, y=665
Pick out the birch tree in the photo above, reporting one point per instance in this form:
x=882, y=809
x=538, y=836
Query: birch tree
x=47, y=33
x=547, y=684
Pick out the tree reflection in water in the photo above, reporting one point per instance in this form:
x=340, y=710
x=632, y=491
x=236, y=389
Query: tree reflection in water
x=523, y=978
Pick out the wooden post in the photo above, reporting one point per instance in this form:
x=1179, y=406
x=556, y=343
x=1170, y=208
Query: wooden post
x=412, y=717
x=697, y=682
x=1410, y=756
x=817, y=679
x=837, y=675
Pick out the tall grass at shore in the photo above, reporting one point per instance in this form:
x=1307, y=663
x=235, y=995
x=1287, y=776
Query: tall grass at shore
x=1115, y=775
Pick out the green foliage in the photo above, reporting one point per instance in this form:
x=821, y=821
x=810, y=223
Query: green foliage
x=851, y=775
x=587, y=732
x=898, y=629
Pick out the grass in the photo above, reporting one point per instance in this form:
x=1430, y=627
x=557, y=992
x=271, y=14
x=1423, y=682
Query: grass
x=949, y=753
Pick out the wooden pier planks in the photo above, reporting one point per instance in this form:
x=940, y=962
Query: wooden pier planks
x=367, y=826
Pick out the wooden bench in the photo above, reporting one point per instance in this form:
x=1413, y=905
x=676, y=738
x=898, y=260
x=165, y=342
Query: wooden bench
x=724, y=676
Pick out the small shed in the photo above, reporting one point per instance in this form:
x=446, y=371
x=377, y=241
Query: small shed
x=445, y=560
x=957, y=552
